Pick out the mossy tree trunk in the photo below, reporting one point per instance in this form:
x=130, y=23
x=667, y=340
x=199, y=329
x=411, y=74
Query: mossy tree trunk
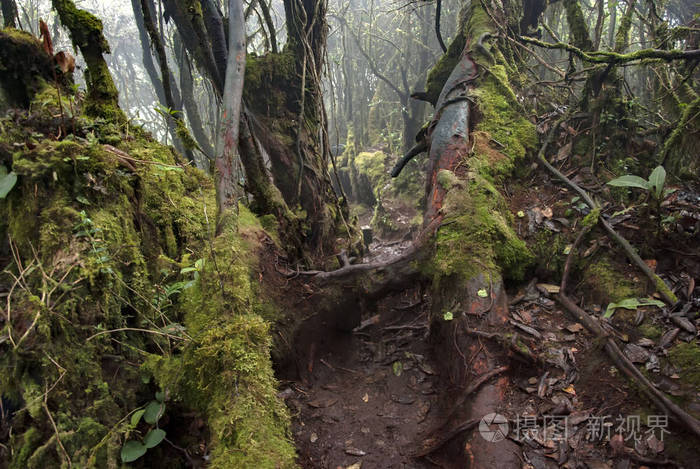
x=86, y=33
x=475, y=248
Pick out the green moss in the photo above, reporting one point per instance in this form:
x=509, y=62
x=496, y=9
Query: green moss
x=183, y=133
x=30, y=440
x=230, y=350
x=592, y=218
x=649, y=330
x=439, y=74
x=86, y=33
x=113, y=234
x=24, y=66
x=477, y=236
x=604, y=283
x=508, y=132
x=686, y=356
x=373, y=165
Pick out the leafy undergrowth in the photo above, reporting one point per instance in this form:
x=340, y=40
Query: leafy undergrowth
x=130, y=333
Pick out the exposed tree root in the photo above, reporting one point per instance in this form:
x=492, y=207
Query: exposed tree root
x=430, y=445
x=400, y=263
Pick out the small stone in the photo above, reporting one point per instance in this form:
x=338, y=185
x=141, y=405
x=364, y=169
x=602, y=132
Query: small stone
x=352, y=451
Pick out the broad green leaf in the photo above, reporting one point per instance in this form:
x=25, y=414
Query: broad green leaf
x=7, y=181
x=631, y=303
x=154, y=411
x=136, y=417
x=160, y=396
x=657, y=178
x=629, y=180
x=132, y=450
x=154, y=437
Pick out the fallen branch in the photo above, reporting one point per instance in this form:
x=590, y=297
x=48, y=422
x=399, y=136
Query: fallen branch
x=621, y=361
x=351, y=269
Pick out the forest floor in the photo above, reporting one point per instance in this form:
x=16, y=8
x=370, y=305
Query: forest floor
x=373, y=398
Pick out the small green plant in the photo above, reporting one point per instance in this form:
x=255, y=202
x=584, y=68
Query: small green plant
x=151, y=413
x=162, y=300
x=631, y=303
x=654, y=185
x=85, y=228
x=7, y=181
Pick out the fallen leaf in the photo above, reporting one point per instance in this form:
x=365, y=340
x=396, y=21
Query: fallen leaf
x=636, y=354
x=365, y=398
x=548, y=288
x=357, y=465
x=352, y=451
x=576, y=327
x=570, y=390
x=426, y=368
x=322, y=403
x=313, y=438
x=563, y=152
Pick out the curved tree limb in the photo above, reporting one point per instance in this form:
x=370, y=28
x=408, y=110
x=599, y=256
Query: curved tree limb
x=438, y=13
x=413, y=152
x=606, y=57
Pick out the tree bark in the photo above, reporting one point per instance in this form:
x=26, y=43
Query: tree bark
x=189, y=102
x=9, y=13
x=176, y=123
x=227, y=167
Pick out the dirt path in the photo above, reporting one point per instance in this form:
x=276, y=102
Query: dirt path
x=370, y=395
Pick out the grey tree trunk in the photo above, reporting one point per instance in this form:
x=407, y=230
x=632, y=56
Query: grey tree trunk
x=227, y=167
